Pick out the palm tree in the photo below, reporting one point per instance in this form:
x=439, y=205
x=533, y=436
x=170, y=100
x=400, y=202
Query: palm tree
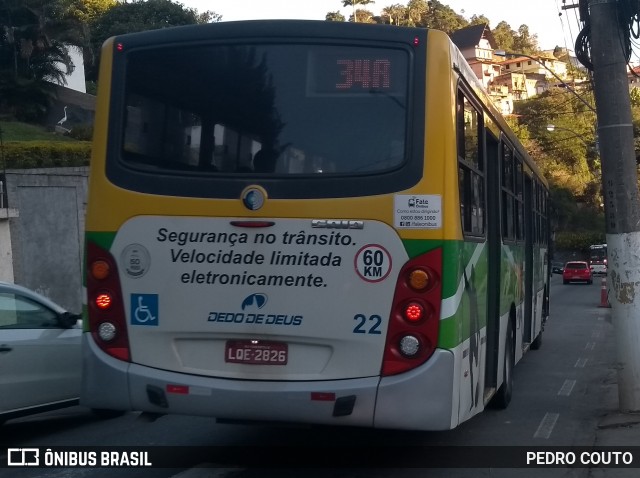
x=35, y=36
x=395, y=13
x=353, y=3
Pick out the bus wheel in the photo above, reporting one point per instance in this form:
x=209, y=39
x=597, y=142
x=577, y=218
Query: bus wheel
x=502, y=397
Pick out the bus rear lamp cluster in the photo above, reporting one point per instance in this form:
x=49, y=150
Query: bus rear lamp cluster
x=415, y=314
x=107, y=320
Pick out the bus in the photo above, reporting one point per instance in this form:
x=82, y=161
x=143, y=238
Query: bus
x=307, y=222
x=598, y=258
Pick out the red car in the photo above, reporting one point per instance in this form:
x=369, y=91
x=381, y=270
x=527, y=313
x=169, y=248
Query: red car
x=575, y=271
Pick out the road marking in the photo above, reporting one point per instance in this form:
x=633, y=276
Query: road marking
x=546, y=425
x=590, y=346
x=567, y=388
x=595, y=334
x=581, y=363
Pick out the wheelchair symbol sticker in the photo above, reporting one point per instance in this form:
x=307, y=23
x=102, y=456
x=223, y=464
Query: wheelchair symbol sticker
x=144, y=309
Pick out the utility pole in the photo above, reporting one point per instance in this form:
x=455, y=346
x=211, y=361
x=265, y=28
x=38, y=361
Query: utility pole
x=622, y=202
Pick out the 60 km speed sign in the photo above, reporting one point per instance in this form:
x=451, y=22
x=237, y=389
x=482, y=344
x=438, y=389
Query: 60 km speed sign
x=373, y=263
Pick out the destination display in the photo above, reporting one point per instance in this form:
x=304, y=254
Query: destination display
x=357, y=71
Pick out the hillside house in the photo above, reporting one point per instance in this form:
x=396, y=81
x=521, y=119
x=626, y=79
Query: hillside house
x=476, y=43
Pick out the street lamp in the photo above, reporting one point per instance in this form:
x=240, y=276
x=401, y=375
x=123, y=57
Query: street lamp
x=564, y=84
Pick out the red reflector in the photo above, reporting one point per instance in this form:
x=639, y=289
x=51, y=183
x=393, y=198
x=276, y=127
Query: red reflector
x=121, y=353
x=416, y=41
x=323, y=396
x=119, y=47
x=179, y=389
x=103, y=301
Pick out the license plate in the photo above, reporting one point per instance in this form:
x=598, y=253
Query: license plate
x=256, y=352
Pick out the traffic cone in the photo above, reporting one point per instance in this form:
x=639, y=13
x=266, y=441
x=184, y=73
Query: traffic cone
x=604, y=294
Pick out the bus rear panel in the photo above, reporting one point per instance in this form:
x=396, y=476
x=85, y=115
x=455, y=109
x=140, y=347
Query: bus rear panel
x=267, y=232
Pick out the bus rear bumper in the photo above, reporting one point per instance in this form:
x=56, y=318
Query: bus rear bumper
x=341, y=402
x=420, y=399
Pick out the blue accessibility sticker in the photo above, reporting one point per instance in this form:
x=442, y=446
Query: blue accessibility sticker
x=144, y=309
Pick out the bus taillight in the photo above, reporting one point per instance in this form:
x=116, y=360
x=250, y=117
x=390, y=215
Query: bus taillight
x=415, y=315
x=103, y=301
x=107, y=321
x=414, y=312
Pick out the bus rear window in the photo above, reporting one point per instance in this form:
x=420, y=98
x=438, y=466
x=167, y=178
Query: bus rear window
x=277, y=109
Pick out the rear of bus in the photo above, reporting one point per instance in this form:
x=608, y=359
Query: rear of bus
x=264, y=228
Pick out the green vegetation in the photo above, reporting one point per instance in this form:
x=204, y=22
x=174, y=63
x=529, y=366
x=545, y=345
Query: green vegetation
x=435, y=14
x=18, y=131
x=34, y=49
x=569, y=159
x=27, y=146
x=45, y=154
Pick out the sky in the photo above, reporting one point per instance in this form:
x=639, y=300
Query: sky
x=542, y=16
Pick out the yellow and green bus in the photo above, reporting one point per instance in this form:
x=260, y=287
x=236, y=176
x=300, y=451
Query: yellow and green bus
x=310, y=222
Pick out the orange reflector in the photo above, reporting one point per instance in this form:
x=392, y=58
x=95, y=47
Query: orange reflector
x=419, y=279
x=100, y=270
x=179, y=389
x=413, y=312
x=323, y=396
x=103, y=301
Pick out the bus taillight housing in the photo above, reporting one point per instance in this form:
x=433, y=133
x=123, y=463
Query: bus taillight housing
x=105, y=306
x=412, y=334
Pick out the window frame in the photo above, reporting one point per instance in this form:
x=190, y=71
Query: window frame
x=471, y=173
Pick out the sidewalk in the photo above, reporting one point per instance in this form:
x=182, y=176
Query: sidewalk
x=615, y=429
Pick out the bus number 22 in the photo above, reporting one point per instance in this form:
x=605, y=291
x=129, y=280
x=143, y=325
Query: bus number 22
x=361, y=328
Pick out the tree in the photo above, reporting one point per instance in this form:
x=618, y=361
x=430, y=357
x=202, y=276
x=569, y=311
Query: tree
x=394, y=14
x=87, y=10
x=567, y=156
x=504, y=36
x=525, y=41
x=366, y=16
x=137, y=16
x=354, y=3
x=634, y=96
x=416, y=12
x=36, y=35
x=442, y=17
x=335, y=17
x=479, y=20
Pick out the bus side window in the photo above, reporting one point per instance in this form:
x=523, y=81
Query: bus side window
x=508, y=205
x=519, y=198
x=471, y=176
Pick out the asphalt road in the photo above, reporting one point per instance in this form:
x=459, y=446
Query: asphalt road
x=557, y=400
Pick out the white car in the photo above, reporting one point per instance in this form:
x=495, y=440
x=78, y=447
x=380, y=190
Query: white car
x=40, y=355
x=599, y=269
